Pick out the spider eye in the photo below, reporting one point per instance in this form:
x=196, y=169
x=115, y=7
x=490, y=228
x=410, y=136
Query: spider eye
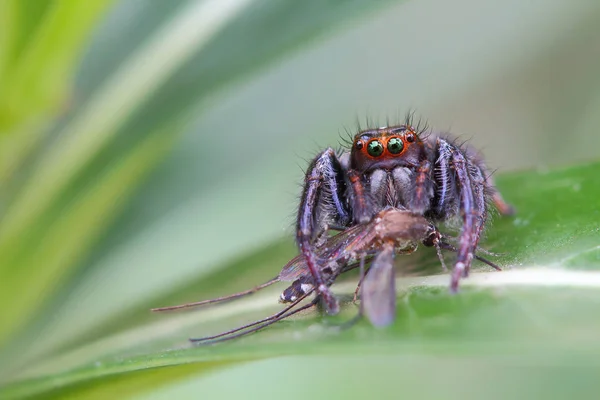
x=359, y=145
x=375, y=148
x=395, y=145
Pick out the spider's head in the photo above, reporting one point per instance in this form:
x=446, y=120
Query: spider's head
x=386, y=148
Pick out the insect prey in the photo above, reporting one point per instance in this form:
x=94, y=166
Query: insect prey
x=391, y=232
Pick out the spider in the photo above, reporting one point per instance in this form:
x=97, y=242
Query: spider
x=395, y=166
x=385, y=194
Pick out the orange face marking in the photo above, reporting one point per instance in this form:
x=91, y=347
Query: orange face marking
x=388, y=143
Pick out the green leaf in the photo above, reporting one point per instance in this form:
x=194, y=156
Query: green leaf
x=533, y=312
x=89, y=240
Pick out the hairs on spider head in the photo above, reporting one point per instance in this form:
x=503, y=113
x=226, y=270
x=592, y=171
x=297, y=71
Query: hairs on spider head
x=420, y=126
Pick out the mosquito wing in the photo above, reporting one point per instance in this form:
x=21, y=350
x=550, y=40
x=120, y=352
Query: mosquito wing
x=294, y=269
x=335, y=253
x=402, y=227
x=378, y=291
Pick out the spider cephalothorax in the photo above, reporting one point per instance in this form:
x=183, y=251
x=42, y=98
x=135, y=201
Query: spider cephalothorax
x=400, y=167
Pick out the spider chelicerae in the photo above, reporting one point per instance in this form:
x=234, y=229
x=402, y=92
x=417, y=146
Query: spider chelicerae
x=402, y=167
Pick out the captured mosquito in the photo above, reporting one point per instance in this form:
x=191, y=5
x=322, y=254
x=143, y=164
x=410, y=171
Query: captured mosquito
x=390, y=232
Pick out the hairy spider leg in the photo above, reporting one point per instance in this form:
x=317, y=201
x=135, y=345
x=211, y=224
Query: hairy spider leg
x=219, y=299
x=323, y=171
x=478, y=184
x=472, y=210
x=423, y=185
x=361, y=209
x=496, y=197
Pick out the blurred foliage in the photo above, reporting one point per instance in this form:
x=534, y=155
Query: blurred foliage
x=149, y=152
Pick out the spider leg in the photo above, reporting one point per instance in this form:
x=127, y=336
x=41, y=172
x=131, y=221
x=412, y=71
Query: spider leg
x=423, y=188
x=503, y=207
x=472, y=206
x=360, y=205
x=478, y=185
x=321, y=200
x=351, y=322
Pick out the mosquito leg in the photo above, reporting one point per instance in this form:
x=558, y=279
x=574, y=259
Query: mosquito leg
x=488, y=262
x=286, y=312
x=350, y=323
x=361, y=277
x=434, y=238
x=256, y=327
x=277, y=315
x=453, y=240
x=219, y=299
x=448, y=246
x=438, y=250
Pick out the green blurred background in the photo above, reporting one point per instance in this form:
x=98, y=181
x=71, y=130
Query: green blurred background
x=148, y=146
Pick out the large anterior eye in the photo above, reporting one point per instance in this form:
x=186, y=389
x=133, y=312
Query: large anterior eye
x=395, y=145
x=375, y=148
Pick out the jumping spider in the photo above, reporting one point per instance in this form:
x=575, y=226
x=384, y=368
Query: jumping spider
x=385, y=194
x=404, y=168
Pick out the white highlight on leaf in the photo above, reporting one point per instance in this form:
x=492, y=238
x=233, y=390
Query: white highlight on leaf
x=180, y=325
x=573, y=256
